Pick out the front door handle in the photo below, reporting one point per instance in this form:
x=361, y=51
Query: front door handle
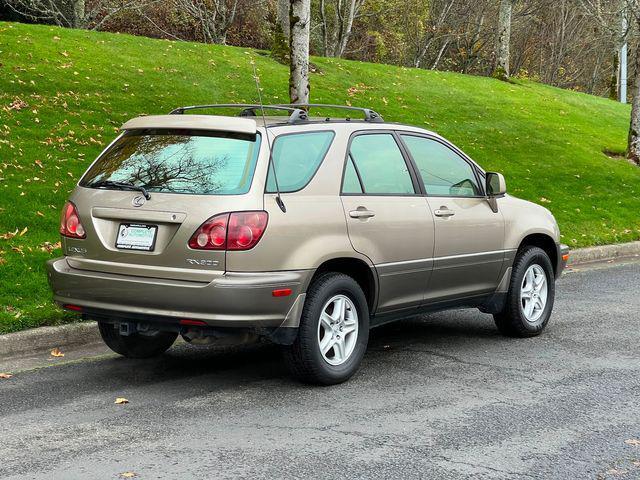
x=361, y=213
x=444, y=212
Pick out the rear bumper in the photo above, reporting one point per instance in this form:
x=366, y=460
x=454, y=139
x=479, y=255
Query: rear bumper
x=563, y=257
x=232, y=300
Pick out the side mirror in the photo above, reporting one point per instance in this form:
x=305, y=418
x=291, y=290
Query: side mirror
x=496, y=186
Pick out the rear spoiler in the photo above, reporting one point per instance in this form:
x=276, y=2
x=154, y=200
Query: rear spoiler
x=193, y=122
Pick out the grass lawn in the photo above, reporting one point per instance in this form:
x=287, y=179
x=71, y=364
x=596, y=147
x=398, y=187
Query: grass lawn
x=64, y=93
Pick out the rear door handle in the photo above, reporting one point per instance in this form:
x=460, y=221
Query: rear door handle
x=361, y=213
x=444, y=212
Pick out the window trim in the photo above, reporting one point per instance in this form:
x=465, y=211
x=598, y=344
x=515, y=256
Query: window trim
x=473, y=165
x=270, y=161
x=415, y=180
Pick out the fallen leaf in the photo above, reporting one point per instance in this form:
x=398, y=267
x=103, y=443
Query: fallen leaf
x=8, y=235
x=633, y=441
x=128, y=475
x=121, y=401
x=616, y=471
x=5, y=375
x=56, y=352
x=18, y=104
x=39, y=213
x=24, y=230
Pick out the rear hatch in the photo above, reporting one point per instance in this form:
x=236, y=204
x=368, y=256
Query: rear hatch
x=150, y=191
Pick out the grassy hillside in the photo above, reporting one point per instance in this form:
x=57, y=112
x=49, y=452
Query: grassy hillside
x=63, y=94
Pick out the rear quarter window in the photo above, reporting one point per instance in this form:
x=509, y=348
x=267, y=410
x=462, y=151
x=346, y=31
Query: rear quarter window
x=296, y=158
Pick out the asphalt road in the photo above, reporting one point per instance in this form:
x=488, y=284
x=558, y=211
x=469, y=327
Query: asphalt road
x=441, y=396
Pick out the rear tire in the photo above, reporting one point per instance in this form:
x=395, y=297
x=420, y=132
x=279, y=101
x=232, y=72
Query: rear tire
x=333, y=333
x=531, y=295
x=136, y=345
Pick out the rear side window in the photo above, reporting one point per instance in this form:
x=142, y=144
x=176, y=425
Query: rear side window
x=444, y=172
x=187, y=162
x=380, y=165
x=296, y=158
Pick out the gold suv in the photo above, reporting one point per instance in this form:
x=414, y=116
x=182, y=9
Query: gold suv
x=305, y=231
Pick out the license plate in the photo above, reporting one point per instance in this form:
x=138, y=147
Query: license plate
x=133, y=236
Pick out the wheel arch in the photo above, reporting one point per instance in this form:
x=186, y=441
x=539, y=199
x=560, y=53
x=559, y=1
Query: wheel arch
x=546, y=243
x=357, y=269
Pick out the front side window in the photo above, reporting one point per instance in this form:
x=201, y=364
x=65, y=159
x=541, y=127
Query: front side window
x=178, y=161
x=380, y=165
x=443, y=171
x=296, y=158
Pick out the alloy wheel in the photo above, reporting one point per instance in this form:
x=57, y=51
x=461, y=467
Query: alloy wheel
x=533, y=293
x=338, y=330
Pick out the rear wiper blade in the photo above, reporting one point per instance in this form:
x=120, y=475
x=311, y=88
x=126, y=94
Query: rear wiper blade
x=122, y=186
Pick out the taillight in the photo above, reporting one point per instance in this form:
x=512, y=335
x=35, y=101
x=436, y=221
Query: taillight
x=245, y=229
x=70, y=225
x=212, y=234
x=230, y=231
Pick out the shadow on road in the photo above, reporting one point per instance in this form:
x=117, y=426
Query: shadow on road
x=187, y=369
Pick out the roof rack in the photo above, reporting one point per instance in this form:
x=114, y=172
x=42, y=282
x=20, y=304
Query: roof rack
x=297, y=111
x=248, y=110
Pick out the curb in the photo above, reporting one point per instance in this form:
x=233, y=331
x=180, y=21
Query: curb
x=84, y=333
x=603, y=253
x=46, y=338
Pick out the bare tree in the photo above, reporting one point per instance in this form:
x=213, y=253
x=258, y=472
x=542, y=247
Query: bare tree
x=212, y=18
x=428, y=26
x=336, y=24
x=74, y=13
x=611, y=18
x=504, y=39
x=299, y=23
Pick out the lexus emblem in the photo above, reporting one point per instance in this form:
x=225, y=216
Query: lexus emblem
x=138, y=201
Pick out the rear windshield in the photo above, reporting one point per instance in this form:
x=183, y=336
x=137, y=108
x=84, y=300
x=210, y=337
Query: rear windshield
x=178, y=161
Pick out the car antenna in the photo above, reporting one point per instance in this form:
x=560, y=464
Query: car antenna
x=266, y=132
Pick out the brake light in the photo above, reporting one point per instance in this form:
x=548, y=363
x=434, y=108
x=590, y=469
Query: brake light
x=245, y=229
x=230, y=231
x=212, y=234
x=70, y=224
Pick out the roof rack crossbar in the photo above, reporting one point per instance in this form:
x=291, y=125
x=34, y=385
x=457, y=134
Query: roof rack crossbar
x=369, y=114
x=297, y=111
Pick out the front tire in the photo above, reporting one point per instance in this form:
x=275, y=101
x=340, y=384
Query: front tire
x=136, y=345
x=333, y=332
x=531, y=295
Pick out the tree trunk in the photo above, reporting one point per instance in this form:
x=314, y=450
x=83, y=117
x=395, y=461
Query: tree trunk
x=283, y=16
x=299, y=19
x=78, y=13
x=504, y=38
x=633, y=147
x=346, y=31
x=613, y=81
